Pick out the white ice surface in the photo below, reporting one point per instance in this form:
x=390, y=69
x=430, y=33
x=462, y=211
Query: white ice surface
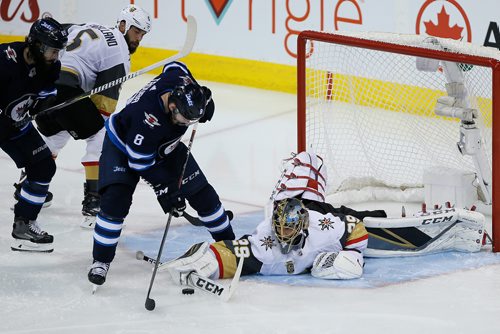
x=239, y=151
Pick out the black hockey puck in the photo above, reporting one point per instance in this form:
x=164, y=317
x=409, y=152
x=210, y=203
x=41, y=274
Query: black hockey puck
x=187, y=291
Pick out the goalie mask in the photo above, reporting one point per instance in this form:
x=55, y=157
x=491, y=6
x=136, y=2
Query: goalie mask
x=189, y=102
x=289, y=224
x=134, y=16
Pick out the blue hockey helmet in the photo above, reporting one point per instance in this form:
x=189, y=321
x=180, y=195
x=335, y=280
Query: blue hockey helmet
x=49, y=33
x=189, y=100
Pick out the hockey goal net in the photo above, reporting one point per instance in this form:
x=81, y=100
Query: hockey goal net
x=366, y=104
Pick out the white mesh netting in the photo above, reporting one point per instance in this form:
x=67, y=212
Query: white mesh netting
x=370, y=113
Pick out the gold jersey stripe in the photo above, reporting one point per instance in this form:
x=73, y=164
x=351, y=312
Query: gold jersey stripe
x=226, y=259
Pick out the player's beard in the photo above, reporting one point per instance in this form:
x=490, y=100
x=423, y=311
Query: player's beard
x=132, y=46
x=41, y=64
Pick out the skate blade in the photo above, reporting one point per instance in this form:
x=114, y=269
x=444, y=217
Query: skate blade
x=28, y=246
x=88, y=222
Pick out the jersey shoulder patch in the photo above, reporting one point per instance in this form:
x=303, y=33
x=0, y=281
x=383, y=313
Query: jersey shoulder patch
x=11, y=54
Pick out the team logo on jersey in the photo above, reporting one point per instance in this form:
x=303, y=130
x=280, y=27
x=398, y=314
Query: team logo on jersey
x=151, y=120
x=19, y=108
x=325, y=223
x=168, y=147
x=11, y=54
x=267, y=242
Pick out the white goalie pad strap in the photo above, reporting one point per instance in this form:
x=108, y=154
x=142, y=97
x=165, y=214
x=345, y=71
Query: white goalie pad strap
x=456, y=89
x=449, y=106
x=202, y=261
x=452, y=71
x=342, y=265
x=303, y=175
x=449, y=230
x=427, y=64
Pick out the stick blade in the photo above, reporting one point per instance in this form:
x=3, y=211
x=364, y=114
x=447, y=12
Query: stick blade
x=234, y=283
x=192, y=28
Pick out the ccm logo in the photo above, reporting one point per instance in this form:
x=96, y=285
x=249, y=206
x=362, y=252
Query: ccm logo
x=437, y=220
x=191, y=177
x=438, y=212
x=209, y=287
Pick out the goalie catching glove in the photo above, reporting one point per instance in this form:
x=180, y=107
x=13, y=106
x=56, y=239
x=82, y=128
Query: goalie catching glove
x=346, y=264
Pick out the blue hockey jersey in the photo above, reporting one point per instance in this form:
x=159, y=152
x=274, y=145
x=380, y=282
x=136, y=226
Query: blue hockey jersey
x=21, y=85
x=143, y=130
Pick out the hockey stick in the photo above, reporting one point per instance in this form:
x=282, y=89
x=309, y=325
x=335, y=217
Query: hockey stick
x=205, y=284
x=150, y=303
x=197, y=222
x=186, y=49
x=214, y=288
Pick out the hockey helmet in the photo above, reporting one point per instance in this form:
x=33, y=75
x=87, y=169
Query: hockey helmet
x=134, y=16
x=189, y=100
x=290, y=221
x=48, y=33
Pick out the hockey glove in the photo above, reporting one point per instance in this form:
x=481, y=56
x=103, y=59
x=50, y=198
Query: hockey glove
x=174, y=202
x=47, y=124
x=209, y=107
x=41, y=104
x=178, y=206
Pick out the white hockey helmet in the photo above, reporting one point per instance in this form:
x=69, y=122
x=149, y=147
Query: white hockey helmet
x=134, y=16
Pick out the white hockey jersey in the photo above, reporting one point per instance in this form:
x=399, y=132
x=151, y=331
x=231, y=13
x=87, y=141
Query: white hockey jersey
x=95, y=55
x=327, y=233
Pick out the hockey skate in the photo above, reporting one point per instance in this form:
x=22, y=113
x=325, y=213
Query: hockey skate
x=19, y=185
x=97, y=274
x=90, y=208
x=29, y=237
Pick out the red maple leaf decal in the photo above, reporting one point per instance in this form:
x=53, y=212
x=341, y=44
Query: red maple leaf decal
x=443, y=29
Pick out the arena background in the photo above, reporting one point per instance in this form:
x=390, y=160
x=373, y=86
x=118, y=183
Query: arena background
x=253, y=42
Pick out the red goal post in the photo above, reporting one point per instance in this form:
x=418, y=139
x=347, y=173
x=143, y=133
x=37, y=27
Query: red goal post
x=347, y=76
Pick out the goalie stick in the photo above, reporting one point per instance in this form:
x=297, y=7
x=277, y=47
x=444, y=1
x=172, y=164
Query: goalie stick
x=186, y=49
x=205, y=284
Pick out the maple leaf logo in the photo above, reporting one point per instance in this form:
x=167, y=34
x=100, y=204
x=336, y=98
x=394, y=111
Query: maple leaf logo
x=442, y=28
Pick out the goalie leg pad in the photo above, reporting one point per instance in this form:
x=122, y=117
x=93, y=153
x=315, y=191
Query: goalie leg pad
x=431, y=232
x=199, y=258
x=342, y=265
x=303, y=175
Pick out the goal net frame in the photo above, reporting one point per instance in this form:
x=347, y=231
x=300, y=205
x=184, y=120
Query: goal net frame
x=353, y=40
